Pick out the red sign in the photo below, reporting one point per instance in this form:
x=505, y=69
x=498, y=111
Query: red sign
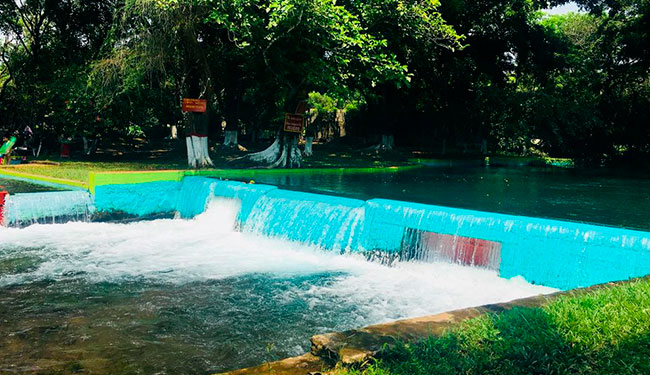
x=195, y=105
x=293, y=123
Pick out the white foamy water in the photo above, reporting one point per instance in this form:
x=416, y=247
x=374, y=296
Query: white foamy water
x=208, y=248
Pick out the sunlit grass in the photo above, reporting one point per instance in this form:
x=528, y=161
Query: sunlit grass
x=80, y=170
x=603, y=332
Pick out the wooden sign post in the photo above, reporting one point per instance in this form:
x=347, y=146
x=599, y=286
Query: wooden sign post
x=195, y=105
x=293, y=123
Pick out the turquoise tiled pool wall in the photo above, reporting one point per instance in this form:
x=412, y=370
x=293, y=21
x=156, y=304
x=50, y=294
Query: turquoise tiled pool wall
x=549, y=252
x=555, y=253
x=188, y=197
x=138, y=199
x=27, y=208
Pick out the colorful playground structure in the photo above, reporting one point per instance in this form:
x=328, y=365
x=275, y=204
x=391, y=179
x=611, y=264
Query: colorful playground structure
x=6, y=149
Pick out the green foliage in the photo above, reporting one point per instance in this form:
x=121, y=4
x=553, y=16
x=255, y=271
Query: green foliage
x=602, y=332
x=457, y=72
x=46, y=46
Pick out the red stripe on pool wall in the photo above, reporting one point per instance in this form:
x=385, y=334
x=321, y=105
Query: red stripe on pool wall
x=463, y=250
x=3, y=195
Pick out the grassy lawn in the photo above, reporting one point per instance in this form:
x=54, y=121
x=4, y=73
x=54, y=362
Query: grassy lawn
x=79, y=170
x=324, y=157
x=604, y=332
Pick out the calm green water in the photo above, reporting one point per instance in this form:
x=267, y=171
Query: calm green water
x=14, y=187
x=616, y=198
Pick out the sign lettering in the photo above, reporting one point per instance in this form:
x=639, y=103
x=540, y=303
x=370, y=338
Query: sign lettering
x=195, y=105
x=293, y=123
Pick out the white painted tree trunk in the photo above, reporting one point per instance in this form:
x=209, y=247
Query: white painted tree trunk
x=284, y=152
x=269, y=155
x=89, y=145
x=197, y=152
x=309, y=142
x=230, y=139
x=295, y=156
x=387, y=143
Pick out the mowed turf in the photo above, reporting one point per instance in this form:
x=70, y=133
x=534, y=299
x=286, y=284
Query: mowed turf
x=606, y=331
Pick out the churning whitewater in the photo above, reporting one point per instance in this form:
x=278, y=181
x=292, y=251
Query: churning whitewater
x=208, y=248
x=198, y=296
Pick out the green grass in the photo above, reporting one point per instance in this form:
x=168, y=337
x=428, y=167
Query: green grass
x=604, y=332
x=79, y=171
x=322, y=159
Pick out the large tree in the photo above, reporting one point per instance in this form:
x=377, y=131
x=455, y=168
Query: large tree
x=340, y=49
x=45, y=50
x=163, y=45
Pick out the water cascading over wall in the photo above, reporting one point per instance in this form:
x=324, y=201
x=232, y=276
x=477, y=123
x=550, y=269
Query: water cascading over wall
x=3, y=197
x=49, y=207
x=549, y=252
x=196, y=193
x=330, y=222
x=326, y=221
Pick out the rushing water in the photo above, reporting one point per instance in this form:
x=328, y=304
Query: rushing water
x=195, y=296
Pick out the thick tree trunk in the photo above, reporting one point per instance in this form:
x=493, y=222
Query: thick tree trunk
x=89, y=145
x=198, y=155
x=309, y=142
x=341, y=122
x=283, y=153
x=387, y=142
x=484, y=148
x=197, y=151
x=230, y=138
x=295, y=156
x=233, y=102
